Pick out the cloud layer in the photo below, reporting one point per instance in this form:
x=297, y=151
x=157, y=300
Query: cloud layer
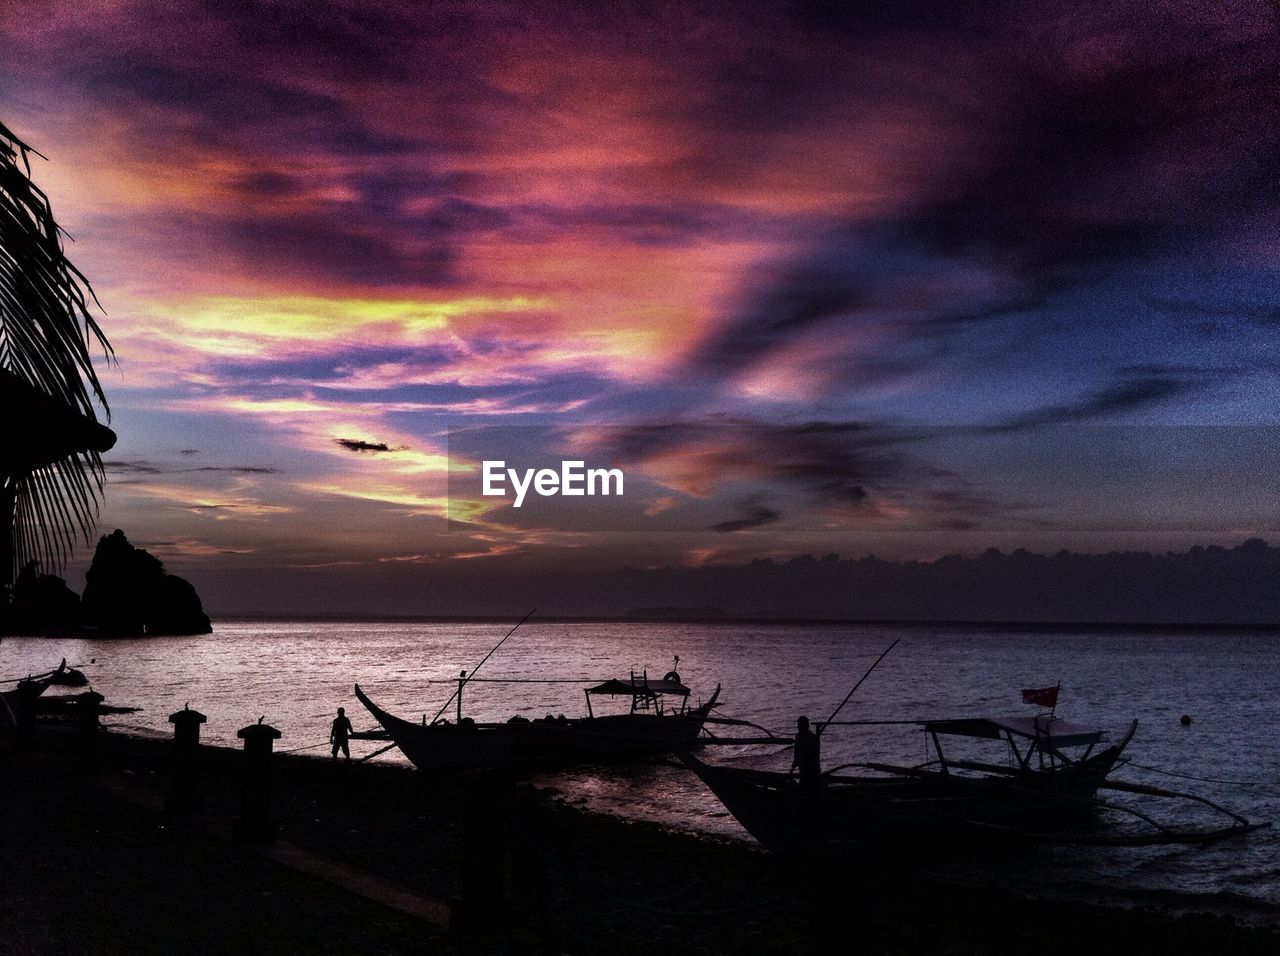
x=764, y=255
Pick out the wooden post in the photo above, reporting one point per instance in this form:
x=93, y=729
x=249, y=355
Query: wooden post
x=28, y=694
x=88, y=711
x=184, y=792
x=255, y=823
x=462, y=679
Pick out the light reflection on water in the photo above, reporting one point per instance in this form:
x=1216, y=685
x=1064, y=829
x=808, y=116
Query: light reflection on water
x=297, y=673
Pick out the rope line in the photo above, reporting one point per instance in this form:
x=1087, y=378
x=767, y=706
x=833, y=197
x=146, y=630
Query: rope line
x=1191, y=776
x=294, y=750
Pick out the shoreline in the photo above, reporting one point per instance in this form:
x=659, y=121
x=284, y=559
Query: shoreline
x=583, y=880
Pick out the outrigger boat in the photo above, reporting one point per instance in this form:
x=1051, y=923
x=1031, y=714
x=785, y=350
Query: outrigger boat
x=32, y=687
x=1044, y=793
x=658, y=722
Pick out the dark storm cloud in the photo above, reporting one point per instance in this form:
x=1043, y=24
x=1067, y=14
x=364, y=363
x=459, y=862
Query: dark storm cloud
x=144, y=467
x=1069, y=172
x=357, y=445
x=834, y=469
x=351, y=223
x=236, y=108
x=336, y=244
x=653, y=223
x=833, y=462
x=132, y=467
x=354, y=41
x=1131, y=394
x=241, y=469
x=756, y=516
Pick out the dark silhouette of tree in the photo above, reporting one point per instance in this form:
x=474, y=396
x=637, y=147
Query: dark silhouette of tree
x=51, y=474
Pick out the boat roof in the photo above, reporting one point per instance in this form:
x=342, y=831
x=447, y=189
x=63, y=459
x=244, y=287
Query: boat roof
x=629, y=687
x=1061, y=732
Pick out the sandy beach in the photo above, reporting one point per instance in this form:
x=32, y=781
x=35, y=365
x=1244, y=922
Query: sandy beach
x=368, y=858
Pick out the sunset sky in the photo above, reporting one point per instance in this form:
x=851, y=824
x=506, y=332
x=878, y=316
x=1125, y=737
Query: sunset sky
x=909, y=279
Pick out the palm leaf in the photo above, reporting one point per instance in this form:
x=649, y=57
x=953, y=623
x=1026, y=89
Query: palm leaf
x=46, y=334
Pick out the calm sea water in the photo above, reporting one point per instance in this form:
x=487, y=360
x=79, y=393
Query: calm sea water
x=296, y=674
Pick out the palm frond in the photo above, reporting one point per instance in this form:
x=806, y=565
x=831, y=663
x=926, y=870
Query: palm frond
x=46, y=335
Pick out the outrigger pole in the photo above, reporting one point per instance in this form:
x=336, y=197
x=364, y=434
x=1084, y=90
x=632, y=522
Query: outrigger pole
x=461, y=682
x=823, y=726
x=458, y=690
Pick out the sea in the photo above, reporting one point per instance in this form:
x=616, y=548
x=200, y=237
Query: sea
x=295, y=674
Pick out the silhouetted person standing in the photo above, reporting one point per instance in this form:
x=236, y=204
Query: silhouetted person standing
x=808, y=756
x=339, y=733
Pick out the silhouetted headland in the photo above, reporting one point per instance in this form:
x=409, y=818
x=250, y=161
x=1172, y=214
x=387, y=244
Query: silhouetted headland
x=43, y=603
x=127, y=593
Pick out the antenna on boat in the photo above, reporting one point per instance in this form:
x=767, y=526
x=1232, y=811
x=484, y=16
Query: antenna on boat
x=823, y=726
x=464, y=678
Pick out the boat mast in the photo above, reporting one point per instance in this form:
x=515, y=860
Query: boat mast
x=463, y=679
x=823, y=726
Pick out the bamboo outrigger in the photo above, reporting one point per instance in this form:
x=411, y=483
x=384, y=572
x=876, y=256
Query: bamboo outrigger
x=1046, y=793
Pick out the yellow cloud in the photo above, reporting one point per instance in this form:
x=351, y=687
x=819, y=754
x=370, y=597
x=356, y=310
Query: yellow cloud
x=221, y=505
x=256, y=327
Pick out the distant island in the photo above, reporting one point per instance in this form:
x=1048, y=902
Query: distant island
x=127, y=593
x=1205, y=585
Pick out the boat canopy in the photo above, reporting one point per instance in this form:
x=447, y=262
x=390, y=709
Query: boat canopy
x=1042, y=727
x=630, y=687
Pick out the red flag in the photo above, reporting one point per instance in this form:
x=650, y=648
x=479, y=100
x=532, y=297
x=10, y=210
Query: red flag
x=1040, y=696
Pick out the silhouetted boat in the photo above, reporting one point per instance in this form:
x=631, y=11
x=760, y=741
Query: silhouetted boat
x=1046, y=793
x=34, y=686
x=1050, y=783
x=649, y=729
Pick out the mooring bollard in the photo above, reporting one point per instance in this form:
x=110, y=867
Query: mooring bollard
x=28, y=694
x=184, y=792
x=88, y=710
x=255, y=821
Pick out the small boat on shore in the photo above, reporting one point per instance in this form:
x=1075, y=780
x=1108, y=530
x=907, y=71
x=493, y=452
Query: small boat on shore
x=1047, y=790
x=31, y=688
x=659, y=721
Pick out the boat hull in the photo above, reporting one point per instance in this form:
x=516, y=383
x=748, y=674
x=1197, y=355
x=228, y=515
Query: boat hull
x=923, y=810
x=539, y=744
